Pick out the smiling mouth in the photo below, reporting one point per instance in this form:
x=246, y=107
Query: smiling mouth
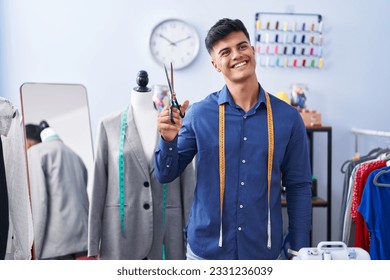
x=238, y=65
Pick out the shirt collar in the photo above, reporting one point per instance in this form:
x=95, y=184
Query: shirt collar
x=225, y=97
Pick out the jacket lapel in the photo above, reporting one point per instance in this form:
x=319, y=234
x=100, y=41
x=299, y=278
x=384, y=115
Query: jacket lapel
x=134, y=140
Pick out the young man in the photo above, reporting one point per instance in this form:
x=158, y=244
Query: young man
x=247, y=144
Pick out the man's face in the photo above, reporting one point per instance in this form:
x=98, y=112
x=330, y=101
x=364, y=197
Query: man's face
x=234, y=57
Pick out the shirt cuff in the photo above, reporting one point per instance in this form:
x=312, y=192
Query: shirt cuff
x=168, y=146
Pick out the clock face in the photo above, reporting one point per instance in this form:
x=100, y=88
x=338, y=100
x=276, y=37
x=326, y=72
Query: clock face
x=175, y=41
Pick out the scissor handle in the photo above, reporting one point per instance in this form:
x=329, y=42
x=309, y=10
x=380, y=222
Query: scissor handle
x=175, y=104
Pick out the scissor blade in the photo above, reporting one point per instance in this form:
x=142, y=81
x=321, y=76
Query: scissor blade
x=169, y=82
x=172, y=83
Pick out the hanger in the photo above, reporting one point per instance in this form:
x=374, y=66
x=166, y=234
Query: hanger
x=375, y=181
x=379, y=153
x=373, y=153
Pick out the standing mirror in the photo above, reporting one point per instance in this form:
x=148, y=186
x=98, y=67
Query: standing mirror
x=65, y=109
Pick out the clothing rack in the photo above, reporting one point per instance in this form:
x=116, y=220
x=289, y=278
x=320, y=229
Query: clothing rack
x=369, y=132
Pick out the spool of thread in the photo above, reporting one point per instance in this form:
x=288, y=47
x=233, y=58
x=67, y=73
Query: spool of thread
x=321, y=40
x=303, y=62
x=286, y=62
x=258, y=49
x=277, y=61
x=285, y=26
x=319, y=51
x=277, y=25
x=312, y=39
x=285, y=38
x=293, y=50
x=303, y=26
x=320, y=26
x=295, y=62
x=268, y=25
x=276, y=38
x=294, y=38
x=311, y=51
x=303, y=39
x=276, y=50
x=303, y=51
x=294, y=26
x=285, y=50
x=258, y=37
x=267, y=49
x=313, y=63
x=267, y=38
x=258, y=24
x=321, y=63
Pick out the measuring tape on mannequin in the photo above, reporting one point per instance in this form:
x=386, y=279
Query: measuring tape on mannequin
x=121, y=165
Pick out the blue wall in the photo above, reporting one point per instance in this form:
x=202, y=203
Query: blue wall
x=103, y=44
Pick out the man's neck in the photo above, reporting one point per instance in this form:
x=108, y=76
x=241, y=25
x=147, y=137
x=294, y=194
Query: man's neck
x=244, y=94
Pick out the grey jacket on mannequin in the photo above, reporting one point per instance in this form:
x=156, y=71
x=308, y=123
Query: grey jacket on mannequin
x=144, y=230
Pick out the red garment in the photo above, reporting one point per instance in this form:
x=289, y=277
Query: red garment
x=362, y=237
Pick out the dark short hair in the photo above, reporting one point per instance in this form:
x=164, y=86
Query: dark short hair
x=33, y=132
x=221, y=29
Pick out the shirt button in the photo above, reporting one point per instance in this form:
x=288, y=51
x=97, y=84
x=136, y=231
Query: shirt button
x=167, y=165
x=245, y=138
x=239, y=228
x=170, y=149
x=242, y=183
x=244, y=117
x=241, y=206
x=243, y=161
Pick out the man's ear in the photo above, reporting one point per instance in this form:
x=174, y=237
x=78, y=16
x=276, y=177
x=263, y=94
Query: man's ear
x=215, y=66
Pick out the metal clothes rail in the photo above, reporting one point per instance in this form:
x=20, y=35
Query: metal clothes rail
x=369, y=132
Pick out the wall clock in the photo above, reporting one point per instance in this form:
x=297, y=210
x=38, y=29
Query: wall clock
x=176, y=41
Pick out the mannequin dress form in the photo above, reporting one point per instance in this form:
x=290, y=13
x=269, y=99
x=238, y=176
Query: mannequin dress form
x=145, y=114
x=132, y=215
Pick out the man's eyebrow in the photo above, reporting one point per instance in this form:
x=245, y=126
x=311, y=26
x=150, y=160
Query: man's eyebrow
x=239, y=44
x=221, y=50
x=242, y=43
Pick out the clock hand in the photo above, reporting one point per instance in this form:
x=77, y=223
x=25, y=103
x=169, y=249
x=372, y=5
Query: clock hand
x=181, y=40
x=170, y=42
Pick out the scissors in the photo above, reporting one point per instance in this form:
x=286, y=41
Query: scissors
x=172, y=98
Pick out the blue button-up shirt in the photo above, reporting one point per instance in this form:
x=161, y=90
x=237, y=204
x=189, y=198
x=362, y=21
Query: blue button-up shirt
x=245, y=209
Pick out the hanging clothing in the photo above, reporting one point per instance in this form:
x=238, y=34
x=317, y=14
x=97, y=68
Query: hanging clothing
x=348, y=169
x=153, y=220
x=4, y=213
x=361, y=231
x=58, y=183
x=375, y=209
x=20, y=234
x=347, y=220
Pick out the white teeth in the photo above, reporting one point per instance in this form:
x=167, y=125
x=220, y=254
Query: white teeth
x=240, y=64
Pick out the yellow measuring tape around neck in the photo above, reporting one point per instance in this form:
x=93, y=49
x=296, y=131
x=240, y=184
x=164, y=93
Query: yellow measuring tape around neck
x=270, y=125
